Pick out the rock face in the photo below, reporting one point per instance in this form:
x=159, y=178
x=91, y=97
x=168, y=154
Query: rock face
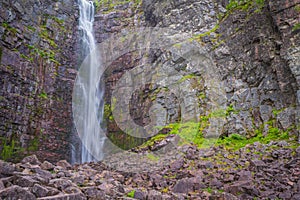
x=255, y=49
x=37, y=68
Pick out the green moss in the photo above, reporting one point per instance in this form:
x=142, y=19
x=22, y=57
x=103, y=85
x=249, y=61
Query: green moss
x=245, y=5
x=296, y=27
x=230, y=109
x=11, y=150
x=186, y=77
x=57, y=20
x=30, y=59
x=170, y=176
x=108, y=113
x=131, y=194
x=236, y=141
x=43, y=95
x=209, y=190
x=9, y=28
x=152, y=157
x=297, y=8
x=276, y=112
x=165, y=190
x=30, y=28
x=152, y=140
x=199, y=37
x=8, y=149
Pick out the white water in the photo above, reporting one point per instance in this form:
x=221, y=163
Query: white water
x=92, y=106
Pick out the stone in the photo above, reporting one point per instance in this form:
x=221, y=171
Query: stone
x=285, y=195
x=71, y=190
x=33, y=160
x=6, y=168
x=52, y=191
x=43, y=173
x=184, y=186
x=94, y=193
x=106, y=187
x=138, y=194
x=159, y=145
x=158, y=180
x=296, y=196
x=60, y=184
x=258, y=163
x=223, y=196
x=244, y=175
x=8, y=181
x=64, y=164
x=216, y=183
x=39, y=191
x=154, y=195
x=1, y=185
x=16, y=192
x=236, y=187
x=47, y=165
x=24, y=181
x=298, y=152
x=78, y=196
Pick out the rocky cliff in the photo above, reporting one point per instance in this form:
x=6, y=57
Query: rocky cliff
x=253, y=45
x=37, y=68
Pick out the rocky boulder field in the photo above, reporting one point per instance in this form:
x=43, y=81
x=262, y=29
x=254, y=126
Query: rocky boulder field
x=256, y=171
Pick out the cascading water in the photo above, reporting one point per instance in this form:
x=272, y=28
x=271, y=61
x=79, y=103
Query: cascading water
x=91, y=94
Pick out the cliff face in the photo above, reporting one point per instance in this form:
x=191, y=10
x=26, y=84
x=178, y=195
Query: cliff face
x=255, y=47
x=37, y=69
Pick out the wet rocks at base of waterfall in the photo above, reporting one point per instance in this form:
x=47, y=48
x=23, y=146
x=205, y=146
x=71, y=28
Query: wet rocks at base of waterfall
x=262, y=171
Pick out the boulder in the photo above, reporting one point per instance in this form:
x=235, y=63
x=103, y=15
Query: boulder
x=16, y=192
x=64, y=164
x=33, y=160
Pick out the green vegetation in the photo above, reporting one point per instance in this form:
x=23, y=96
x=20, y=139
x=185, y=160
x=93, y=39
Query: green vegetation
x=297, y=8
x=8, y=149
x=296, y=27
x=43, y=95
x=131, y=194
x=199, y=37
x=11, y=149
x=236, y=141
x=9, y=28
x=152, y=140
x=186, y=77
x=30, y=28
x=209, y=190
x=244, y=5
x=192, y=132
x=152, y=157
x=232, y=6
x=276, y=112
x=165, y=190
x=108, y=112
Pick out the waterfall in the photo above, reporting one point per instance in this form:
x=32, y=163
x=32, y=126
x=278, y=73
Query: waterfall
x=91, y=93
